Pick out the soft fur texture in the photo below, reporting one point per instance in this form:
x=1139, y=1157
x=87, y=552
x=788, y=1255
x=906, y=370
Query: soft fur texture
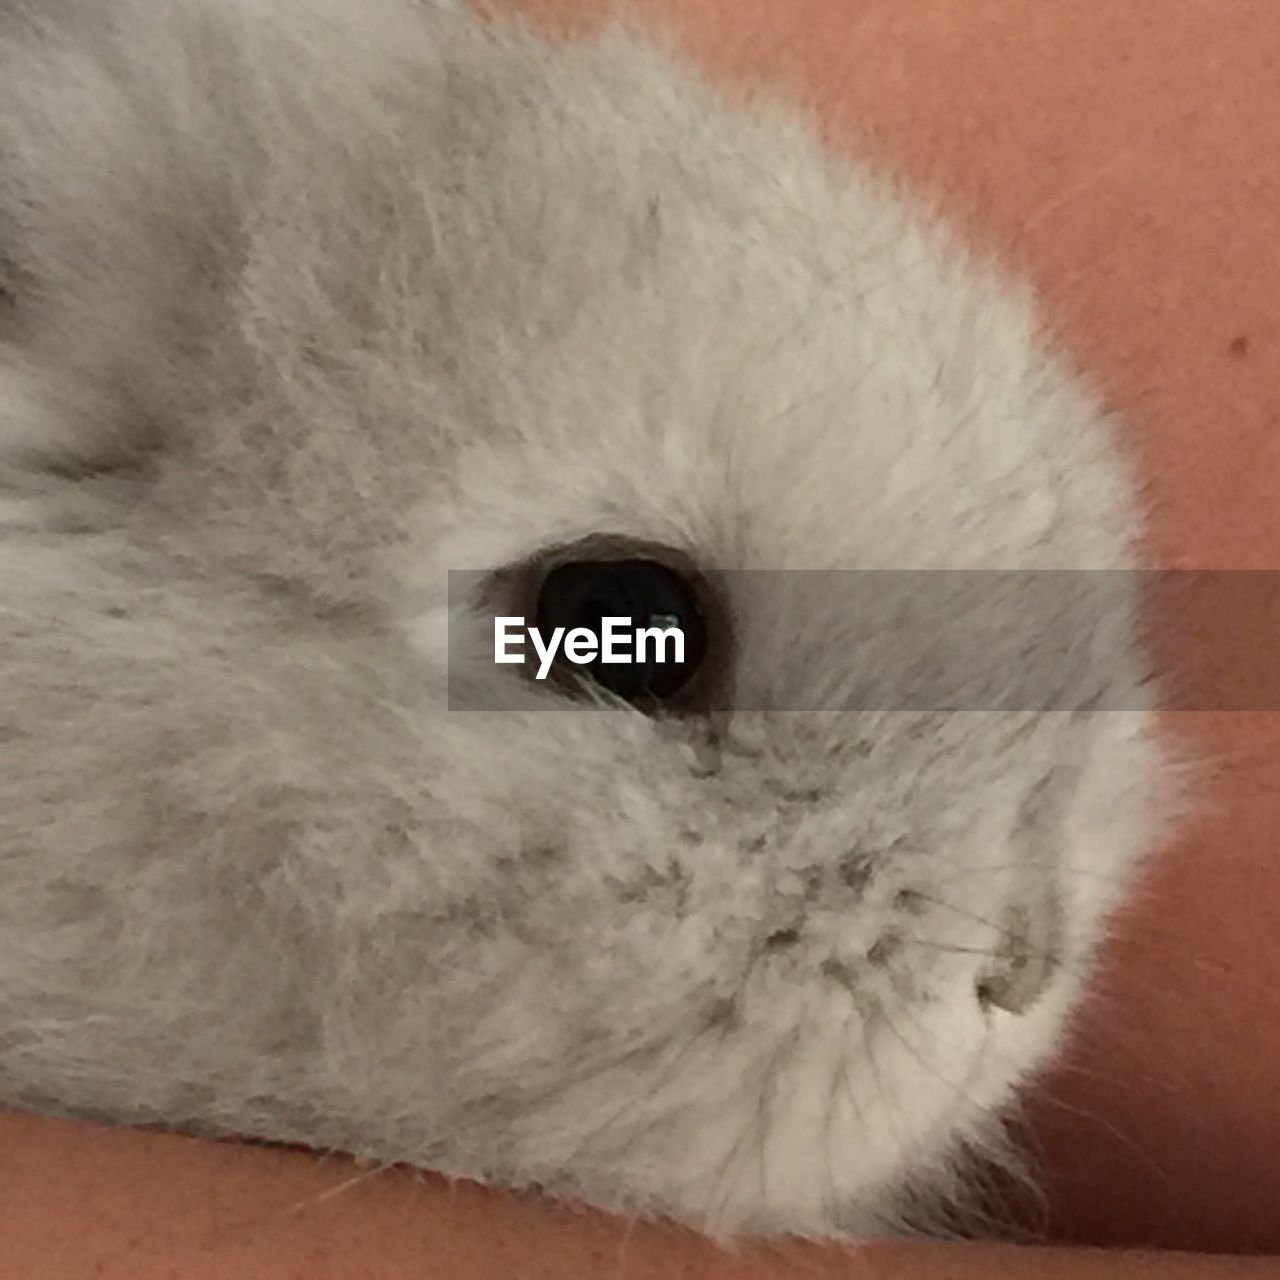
x=306, y=304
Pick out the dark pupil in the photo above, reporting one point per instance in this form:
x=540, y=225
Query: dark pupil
x=583, y=593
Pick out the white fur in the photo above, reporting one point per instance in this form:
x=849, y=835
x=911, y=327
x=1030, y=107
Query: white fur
x=309, y=303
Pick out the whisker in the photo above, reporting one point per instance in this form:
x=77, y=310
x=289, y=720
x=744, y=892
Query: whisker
x=989, y=952
x=611, y=1123
x=1125, y=161
x=341, y=1188
x=1000, y=930
x=893, y=1114
x=725, y=1179
x=1019, y=864
x=620, y=1269
x=1130, y=1144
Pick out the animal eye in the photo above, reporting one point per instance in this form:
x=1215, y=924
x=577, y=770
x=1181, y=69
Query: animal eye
x=653, y=597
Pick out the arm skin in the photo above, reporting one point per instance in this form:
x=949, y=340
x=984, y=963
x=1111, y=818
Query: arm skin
x=147, y=1206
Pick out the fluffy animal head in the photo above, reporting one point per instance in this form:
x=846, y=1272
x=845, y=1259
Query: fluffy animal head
x=312, y=306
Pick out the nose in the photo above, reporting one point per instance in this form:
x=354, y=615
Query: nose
x=1026, y=960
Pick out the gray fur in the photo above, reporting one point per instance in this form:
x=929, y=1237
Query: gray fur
x=309, y=303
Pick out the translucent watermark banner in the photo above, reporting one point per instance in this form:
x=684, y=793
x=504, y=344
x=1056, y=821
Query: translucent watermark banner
x=873, y=640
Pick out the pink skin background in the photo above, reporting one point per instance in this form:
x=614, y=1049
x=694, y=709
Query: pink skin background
x=1125, y=155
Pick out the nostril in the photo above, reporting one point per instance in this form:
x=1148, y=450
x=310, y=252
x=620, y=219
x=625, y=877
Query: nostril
x=780, y=939
x=1018, y=985
x=1027, y=959
x=883, y=950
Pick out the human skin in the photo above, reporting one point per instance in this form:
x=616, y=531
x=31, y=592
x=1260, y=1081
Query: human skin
x=80, y=1201
x=1120, y=154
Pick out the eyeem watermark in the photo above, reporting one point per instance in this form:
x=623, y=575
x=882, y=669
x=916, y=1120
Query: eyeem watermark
x=881, y=640
x=619, y=641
